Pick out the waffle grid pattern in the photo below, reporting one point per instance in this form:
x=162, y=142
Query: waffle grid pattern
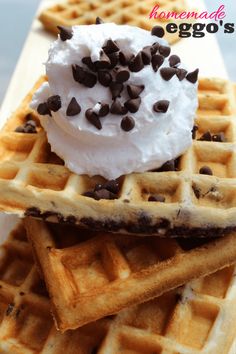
x=131, y=12
x=204, y=309
x=99, y=271
x=32, y=176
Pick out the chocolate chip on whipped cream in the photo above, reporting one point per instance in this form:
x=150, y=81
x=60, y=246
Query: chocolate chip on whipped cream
x=167, y=73
x=110, y=70
x=193, y=76
x=158, y=31
x=133, y=104
x=134, y=90
x=73, y=108
x=157, y=61
x=54, y=103
x=174, y=60
x=93, y=118
x=161, y=106
x=65, y=33
x=127, y=123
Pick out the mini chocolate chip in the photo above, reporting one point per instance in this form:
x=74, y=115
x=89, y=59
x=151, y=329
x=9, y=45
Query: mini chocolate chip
x=193, y=76
x=117, y=108
x=174, y=60
x=157, y=61
x=83, y=76
x=33, y=211
x=196, y=191
x=156, y=198
x=73, y=108
x=220, y=137
x=93, y=118
x=104, y=110
x=154, y=48
x=20, y=129
x=104, y=77
x=181, y=74
x=158, y=31
x=22, y=293
x=90, y=79
x=110, y=47
x=164, y=50
x=146, y=55
x=206, y=136
x=112, y=186
x=103, y=194
x=168, y=166
x=10, y=308
x=88, y=61
x=116, y=89
x=167, y=73
x=161, y=106
x=125, y=58
x=134, y=90
x=114, y=58
x=194, y=131
x=31, y=122
x=99, y=21
x=43, y=109
x=89, y=194
x=104, y=62
x=136, y=64
x=133, y=104
x=122, y=75
x=205, y=170
x=54, y=103
x=65, y=32
x=29, y=129
x=127, y=123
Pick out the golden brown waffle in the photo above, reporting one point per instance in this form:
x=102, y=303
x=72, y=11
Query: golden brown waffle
x=198, y=318
x=33, y=181
x=107, y=273
x=131, y=12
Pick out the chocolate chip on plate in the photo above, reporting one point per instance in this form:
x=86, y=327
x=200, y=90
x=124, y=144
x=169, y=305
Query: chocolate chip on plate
x=127, y=123
x=164, y=50
x=99, y=21
x=104, y=78
x=122, y=75
x=156, y=198
x=117, y=108
x=174, y=60
x=133, y=104
x=54, y=103
x=73, y=108
x=65, y=33
x=136, y=64
x=181, y=73
x=220, y=137
x=167, y=73
x=116, y=89
x=158, y=31
x=43, y=109
x=157, y=61
x=205, y=170
x=161, y=106
x=134, y=90
x=193, y=76
x=93, y=118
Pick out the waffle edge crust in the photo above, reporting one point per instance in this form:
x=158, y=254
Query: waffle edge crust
x=34, y=181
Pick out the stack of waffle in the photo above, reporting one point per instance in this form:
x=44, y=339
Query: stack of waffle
x=120, y=292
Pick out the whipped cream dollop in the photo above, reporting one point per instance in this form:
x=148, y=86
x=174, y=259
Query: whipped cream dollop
x=153, y=136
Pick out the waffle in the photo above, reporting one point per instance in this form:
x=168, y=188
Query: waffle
x=204, y=310
x=131, y=12
x=106, y=273
x=34, y=182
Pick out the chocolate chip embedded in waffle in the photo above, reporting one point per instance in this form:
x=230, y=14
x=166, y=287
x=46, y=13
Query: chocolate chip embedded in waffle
x=204, y=309
x=34, y=181
x=90, y=279
x=131, y=12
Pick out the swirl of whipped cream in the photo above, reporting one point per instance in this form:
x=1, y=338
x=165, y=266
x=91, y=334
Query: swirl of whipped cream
x=111, y=152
